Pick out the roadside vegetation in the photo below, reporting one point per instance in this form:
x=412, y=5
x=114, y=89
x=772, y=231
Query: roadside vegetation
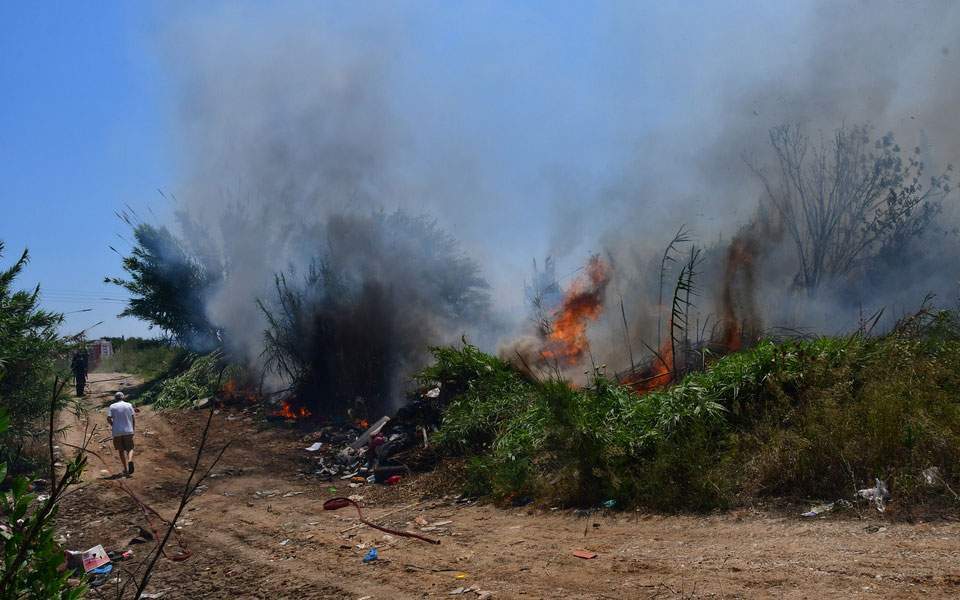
x=144, y=357
x=801, y=419
x=31, y=392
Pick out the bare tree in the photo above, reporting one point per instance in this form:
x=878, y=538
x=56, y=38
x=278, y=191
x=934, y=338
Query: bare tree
x=843, y=200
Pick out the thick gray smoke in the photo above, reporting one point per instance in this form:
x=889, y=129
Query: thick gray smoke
x=522, y=141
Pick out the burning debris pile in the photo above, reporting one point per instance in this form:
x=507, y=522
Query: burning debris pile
x=371, y=453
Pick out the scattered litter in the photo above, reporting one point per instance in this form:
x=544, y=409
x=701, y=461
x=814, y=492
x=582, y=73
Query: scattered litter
x=366, y=435
x=266, y=493
x=879, y=494
x=609, y=503
x=434, y=393
x=154, y=596
x=584, y=554
x=355, y=498
x=291, y=494
x=460, y=575
x=393, y=480
x=371, y=556
x=103, y=570
x=314, y=447
x=95, y=557
x=285, y=542
x=818, y=510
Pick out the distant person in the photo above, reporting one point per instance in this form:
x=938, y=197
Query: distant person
x=123, y=423
x=79, y=367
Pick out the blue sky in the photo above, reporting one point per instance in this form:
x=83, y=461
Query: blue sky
x=83, y=109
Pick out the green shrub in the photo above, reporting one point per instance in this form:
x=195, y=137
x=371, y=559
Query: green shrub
x=29, y=345
x=31, y=559
x=802, y=419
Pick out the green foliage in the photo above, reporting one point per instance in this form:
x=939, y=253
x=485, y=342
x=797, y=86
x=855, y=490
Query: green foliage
x=144, y=357
x=802, y=418
x=198, y=381
x=31, y=559
x=168, y=286
x=29, y=346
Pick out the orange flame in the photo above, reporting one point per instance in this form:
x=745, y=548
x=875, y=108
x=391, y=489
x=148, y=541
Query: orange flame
x=567, y=340
x=288, y=411
x=657, y=375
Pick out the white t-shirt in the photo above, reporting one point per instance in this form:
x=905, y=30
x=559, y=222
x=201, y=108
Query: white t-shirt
x=122, y=415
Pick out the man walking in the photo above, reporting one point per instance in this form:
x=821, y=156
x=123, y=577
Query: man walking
x=79, y=367
x=123, y=422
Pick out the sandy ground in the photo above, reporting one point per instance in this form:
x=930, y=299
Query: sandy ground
x=284, y=545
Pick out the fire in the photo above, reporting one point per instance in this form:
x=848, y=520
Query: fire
x=362, y=424
x=567, y=340
x=288, y=411
x=657, y=375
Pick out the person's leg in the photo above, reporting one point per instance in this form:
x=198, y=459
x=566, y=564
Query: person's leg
x=130, y=457
x=123, y=458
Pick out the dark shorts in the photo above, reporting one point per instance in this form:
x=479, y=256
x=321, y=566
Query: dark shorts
x=123, y=442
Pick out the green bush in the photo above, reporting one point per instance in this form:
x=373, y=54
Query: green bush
x=31, y=559
x=29, y=345
x=802, y=419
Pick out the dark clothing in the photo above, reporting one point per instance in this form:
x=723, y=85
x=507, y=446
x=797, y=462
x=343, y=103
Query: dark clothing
x=123, y=442
x=79, y=367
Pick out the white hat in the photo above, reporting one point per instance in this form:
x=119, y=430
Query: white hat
x=119, y=396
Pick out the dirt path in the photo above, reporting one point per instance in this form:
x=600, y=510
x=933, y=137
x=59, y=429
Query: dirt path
x=281, y=544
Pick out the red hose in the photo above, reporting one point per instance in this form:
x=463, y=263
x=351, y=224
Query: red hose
x=335, y=503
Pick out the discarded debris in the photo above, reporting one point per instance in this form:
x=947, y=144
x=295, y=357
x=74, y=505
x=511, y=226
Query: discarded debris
x=94, y=557
x=371, y=556
x=818, y=510
x=879, y=494
x=366, y=435
x=586, y=554
x=314, y=447
x=337, y=503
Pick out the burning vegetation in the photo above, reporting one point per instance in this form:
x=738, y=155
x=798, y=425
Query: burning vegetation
x=565, y=336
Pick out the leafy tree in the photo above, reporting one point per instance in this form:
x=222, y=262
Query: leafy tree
x=845, y=200
x=168, y=286
x=28, y=347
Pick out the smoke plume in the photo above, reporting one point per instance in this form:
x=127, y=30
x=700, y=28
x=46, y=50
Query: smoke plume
x=524, y=137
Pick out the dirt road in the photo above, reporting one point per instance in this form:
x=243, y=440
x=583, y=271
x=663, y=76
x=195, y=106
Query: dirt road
x=258, y=530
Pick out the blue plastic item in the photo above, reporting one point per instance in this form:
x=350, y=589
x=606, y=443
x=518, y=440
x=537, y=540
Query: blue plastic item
x=371, y=556
x=102, y=569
